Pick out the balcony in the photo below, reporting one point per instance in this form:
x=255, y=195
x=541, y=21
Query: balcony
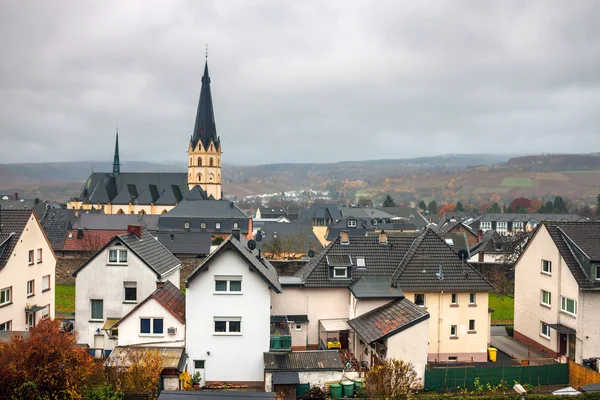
x=281, y=339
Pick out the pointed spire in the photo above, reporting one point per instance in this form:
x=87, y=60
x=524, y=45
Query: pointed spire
x=116, y=162
x=205, y=129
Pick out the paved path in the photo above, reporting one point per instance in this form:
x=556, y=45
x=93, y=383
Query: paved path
x=514, y=348
x=498, y=330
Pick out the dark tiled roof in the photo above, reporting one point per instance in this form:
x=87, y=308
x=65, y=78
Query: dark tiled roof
x=412, y=215
x=167, y=295
x=56, y=223
x=457, y=241
x=12, y=222
x=312, y=360
x=185, y=242
x=374, y=287
x=387, y=320
x=262, y=265
x=114, y=222
x=321, y=211
x=205, y=129
x=205, y=209
x=338, y=260
x=297, y=318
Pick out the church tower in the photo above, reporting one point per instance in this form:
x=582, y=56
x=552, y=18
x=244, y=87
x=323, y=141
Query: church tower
x=204, y=152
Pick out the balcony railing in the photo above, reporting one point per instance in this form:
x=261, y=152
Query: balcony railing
x=281, y=340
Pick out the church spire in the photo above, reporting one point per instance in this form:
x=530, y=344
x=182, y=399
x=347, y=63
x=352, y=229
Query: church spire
x=116, y=163
x=205, y=129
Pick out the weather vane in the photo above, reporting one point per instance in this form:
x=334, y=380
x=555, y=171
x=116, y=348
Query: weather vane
x=206, y=51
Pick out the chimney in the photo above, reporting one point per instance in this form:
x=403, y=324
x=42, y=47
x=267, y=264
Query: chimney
x=344, y=237
x=235, y=233
x=160, y=285
x=135, y=229
x=382, y=237
x=479, y=235
x=16, y=196
x=79, y=234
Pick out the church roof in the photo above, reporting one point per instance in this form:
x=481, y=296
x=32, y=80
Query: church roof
x=205, y=129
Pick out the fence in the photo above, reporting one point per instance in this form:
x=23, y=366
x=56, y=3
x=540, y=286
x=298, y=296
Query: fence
x=581, y=376
x=451, y=379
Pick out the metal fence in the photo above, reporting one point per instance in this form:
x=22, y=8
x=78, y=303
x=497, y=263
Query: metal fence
x=454, y=379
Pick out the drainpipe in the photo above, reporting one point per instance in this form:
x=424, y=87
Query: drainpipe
x=439, y=325
x=306, y=335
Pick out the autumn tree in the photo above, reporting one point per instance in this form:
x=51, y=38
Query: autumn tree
x=459, y=207
x=432, y=207
x=45, y=365
x=388, y=201
x=136, y=370
x=392, y=379
x=447, y=208
x=519, y=205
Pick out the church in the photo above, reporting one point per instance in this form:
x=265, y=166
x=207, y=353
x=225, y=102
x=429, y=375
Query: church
x=157, y=192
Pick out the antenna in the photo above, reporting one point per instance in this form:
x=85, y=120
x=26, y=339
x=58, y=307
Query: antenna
x=206, y=52
x=251, y=244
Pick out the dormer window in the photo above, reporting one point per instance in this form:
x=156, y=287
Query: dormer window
x=217, y=225
x=340, y=272
x=360, y=263
x=351, y=223
x=186, y=225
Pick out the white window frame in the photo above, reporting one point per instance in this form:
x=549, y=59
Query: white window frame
x=564, y=303
x=351, y=223
x=485, y=225
x=336, y=269
x=360, y=262
x=449, y=241
x=186, y=225
x=7, y=297
x=118, y=251
x=542, y=300
x=502, y=226
x=298, y=327
x=217, y=225
x=6, y=326
x=545, y=331
x=202, y=225
x=517, y=226
x=453, y=331
x=92, y=308
x=597, y=271
x=152, y=333
x=472, y=299
x=454, y=299
x=46, y=311
x=228, y=280
x=31, y=288
x=39, y=256
x=548, y=264
x=29, y=320
x=236, y=225
x=31, y=257
x=46, y=280
x=227, y=320
x=424, y=299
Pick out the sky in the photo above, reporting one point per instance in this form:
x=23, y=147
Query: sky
x=298, y=81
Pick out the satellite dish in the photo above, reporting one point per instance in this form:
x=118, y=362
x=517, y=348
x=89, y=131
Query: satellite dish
x=251, y=244
x=463, y=254
x=311, y=253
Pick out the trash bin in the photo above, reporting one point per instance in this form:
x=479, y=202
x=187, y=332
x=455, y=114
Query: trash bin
x=275, y=342
x=336, y=390
x=348, y=388
x=492, y=353
x=359, y=385
x=286, y=342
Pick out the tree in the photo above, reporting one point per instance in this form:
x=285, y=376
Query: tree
x=547, y=208
x=494, y=208
x=217, y=240
x=389, y=201
x=45, y=365
x=519, y=203
x=447, y=208
x=392, y=379
x=559, y=205
x=423, y=206
x=432, y=207
x=136, y=370
x=459, y=207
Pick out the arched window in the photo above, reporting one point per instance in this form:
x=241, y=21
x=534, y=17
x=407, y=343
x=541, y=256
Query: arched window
x=142, y=212
x=199, y=178
x=199, y=161
x=210, y=162
x=211, y=177
x=120, y=211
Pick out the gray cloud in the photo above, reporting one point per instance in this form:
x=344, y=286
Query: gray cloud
x=298, y=81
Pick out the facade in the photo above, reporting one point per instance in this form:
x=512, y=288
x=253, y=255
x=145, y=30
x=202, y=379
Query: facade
x=112, y=283
x=510, y=223
x=227, y=335
x=27, y=271
x=556, y=290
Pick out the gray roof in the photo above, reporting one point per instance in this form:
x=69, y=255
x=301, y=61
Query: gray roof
x=209, y=395
x=491, y=243
x=375, y=287
x=411, y=214
x=148, y=249
x=261, y=265
x=364, y=227
x=388, y=320
x=458, y=241
x=13, y=223
x=56, y=222
x=365, y=212
x=310, y=360
x=185, y=242
x=205, y=209
x=23, y=204
x=114, y=222
x=321, y=211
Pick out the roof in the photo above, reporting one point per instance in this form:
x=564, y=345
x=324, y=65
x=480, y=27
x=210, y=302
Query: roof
x=592, y=387
x=272, y=212
x=56, y=222
x=297, y=318
x=13, y=223
x=148, y=249
x=448, y=226
x=310, y=360
x=525, y=217
x=491, y=243
x=366, y=212
x=89, y=240
x=172, y=357
x=168, y=296
x=205, y=129
x=9, y=202
x=185, y=242
x=206, y=395
x=301, y=236
x=388, y=320
x=261, y=265
x=375, y=287
x=286, y=378
x=457, y=241
x=411, y=214
x=321, y=211
x=201, y=208
x=562, y=329
x=334, y=324
x=114, y=222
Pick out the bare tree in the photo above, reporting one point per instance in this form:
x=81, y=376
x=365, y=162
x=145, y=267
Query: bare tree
x=392, y=379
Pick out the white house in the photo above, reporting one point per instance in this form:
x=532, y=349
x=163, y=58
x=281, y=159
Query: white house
x=27, y=270
x=557, y=290
x=112, y=283
x=228, y=311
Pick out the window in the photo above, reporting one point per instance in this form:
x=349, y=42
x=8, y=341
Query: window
x=340, y=272
x=203, y=225
x=6, y=296
x=45, y=283
x=471, y=325
x=454, y=299
x=39, y=255
x=351, y=223
x=186, y=225
x=420, y=299
x=360, y=262
x=30, y=288
x=217, y=225
x=198, y=364
x=130, y=291
x=199, y=161
x=568, y=305
x=97, y=309
x=485, y=225
x=546, y=298
x=236, y=225
x=597, y=272
x=546, y=267
x=46, y=311
x=502, y=226
x=545, y=332
x=210, y=162
x=117, y=256
x=449, y=241
x=151, y=326
x=30, y=257
x=228, y=284
x=453, y=358
x=472, y=298
x=225, y=325
x=7, y=326
x=29, y=320
x=298, y=327
x=453, y=331
x=517, y=226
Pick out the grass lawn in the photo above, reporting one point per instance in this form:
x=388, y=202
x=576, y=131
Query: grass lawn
x=503, y=308
x=517, y=182
x=65, y=298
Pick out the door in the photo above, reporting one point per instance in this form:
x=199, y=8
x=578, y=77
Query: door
x=199, y=367
x=98, y=346
x=344, y=339
x=572, y=347
x=562, y=344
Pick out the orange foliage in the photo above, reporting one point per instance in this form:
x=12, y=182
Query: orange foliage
x=447, y=208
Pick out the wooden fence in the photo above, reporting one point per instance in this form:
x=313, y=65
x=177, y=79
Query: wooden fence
x=581, y=376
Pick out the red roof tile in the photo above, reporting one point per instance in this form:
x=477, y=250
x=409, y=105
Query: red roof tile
x=91, y=240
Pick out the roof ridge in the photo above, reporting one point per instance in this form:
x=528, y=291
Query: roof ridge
x=314, y=262
x=409, y=253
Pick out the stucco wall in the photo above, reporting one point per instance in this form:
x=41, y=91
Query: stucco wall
x=17, y=272
x=228, y=357
x=411, y=345
x=316, y=303
x=361, y=306
x=314, y=378
x=129, y=329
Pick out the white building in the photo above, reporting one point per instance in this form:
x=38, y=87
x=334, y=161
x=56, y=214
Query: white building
x=228, y=311
x=27, y=268
x=112, y=283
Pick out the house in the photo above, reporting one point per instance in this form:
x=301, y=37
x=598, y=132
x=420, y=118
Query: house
x=320, y=216
x=511, y=223
x=408, y=214
x=420, y=268
x=27, y=271
x=112, y=283
x=286, y=241
x=450, y=226
x=361, y=226
x=557, y=297
x=14, y=202
x=228, y=314
x=270, y=213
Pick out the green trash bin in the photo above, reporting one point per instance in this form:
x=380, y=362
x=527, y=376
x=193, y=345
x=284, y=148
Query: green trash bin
x=286, y=342
x=359, y=385
x=275, y=342
x=336, y=390
x=348, y=388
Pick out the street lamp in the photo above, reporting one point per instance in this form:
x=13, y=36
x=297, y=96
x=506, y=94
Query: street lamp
x=520, y=390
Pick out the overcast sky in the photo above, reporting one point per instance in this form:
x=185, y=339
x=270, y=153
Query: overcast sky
x=298, y=81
